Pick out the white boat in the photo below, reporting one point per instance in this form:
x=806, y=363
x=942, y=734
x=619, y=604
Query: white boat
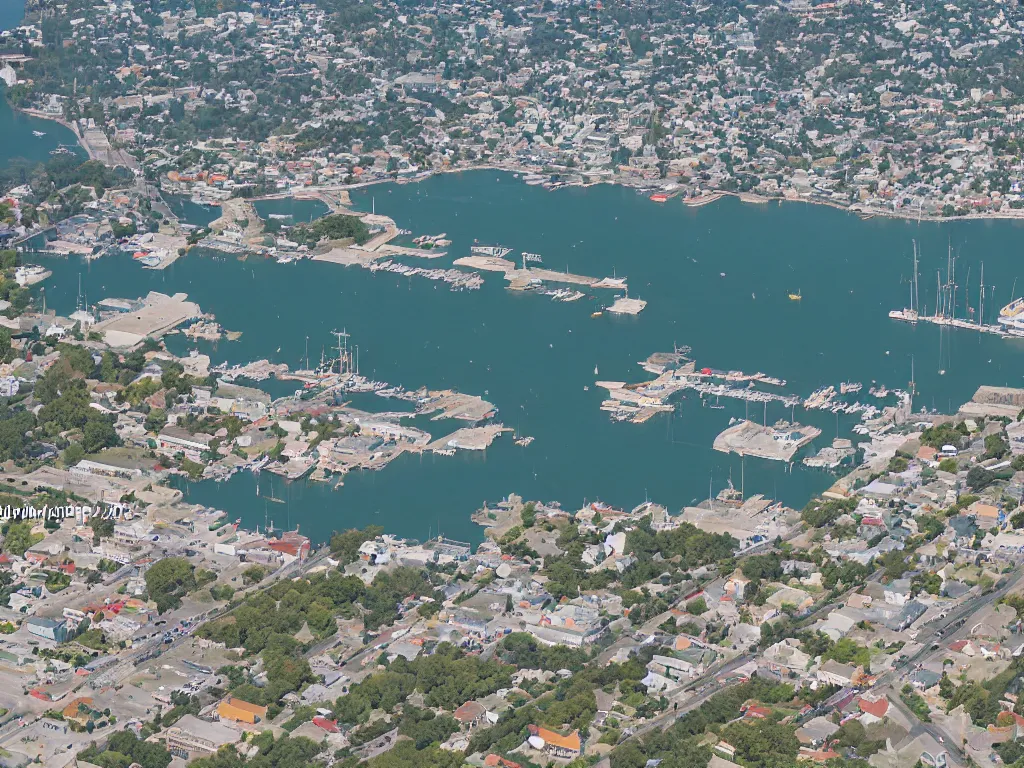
x=38, y=134
x=30, y=274
x=1011, y=317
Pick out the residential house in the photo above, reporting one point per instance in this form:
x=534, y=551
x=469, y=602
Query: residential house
x=555, y=744
x=470, y=714
x=844, y=675
x=786, y=656
x=872, y=709
x=897, y=592
x=240, y=711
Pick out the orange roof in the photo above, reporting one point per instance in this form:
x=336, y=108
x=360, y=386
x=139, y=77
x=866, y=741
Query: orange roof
x=878, y=708
x=231, y=705
x=985, y=510
x=572, y=741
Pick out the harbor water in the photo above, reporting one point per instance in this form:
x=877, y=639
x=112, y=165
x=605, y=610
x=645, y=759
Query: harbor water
x=18, y=130
x=717, y=278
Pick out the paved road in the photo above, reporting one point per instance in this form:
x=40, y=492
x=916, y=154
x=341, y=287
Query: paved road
x=956, y=625
x=931, y=729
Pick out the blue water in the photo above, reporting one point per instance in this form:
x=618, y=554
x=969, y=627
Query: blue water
x=12, y=12
x=533, y=357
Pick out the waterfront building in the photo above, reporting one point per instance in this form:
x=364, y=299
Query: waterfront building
x=191, y=737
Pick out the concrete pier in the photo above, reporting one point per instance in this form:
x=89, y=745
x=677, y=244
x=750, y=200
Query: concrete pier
x=521, y=278
x=779, y=442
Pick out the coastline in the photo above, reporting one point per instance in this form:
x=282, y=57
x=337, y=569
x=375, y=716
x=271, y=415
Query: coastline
x=751, y=198
x=40, y=115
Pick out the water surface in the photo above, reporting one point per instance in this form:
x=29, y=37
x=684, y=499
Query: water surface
x=715, y=278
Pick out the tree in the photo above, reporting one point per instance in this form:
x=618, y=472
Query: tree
x=14, y=423
x=946, y=687
x=978, y=477
x=156, y=420
x=697, y=606
x=168, y=580
x=19, y=538
x=73, y=454
x=99, y=433
x=345, y=545
x=763, y=743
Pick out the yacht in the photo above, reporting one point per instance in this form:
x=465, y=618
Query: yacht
x=1011, y=317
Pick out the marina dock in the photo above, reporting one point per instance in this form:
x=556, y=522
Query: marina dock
x=521, y=278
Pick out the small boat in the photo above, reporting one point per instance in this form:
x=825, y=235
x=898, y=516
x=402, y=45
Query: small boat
x=596, y=314
x=595, y=370
x=659, y=198
x=795, y=296
x=39, y=134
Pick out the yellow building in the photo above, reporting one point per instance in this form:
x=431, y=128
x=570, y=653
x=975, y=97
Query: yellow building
x=240, y=711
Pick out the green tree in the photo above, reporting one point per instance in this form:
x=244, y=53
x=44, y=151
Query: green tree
x=978, y=478
x=697, y=606
x=345, y=545
x=19, y=537
x=156, y=420
x=168, y=580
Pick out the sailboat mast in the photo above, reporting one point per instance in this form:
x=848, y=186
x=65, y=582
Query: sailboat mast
x=967, y=291
x=917, y=292
x=912, y=280
x=952, y=281
x=981, y=298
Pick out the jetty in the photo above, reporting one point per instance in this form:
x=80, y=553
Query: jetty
x=520, y=278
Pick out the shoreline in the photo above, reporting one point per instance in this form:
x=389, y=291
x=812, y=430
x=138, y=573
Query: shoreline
x=750, y=198
x=39, y=115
